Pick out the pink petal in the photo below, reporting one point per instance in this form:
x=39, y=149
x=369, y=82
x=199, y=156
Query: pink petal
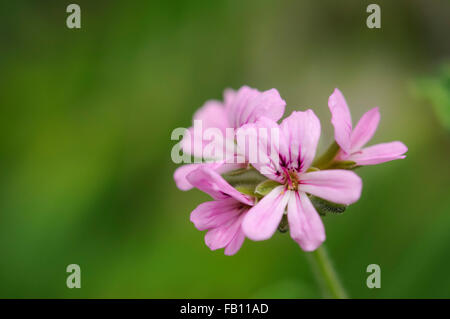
x=365, y=129
x=302, y=132
x=210, y=182
x=247, y=105
x=379, y=153
x=180, y=176
x=341, y=120
x=213, y=214
x=235, y=244
x=228, y=97
x=192, y=143
x=338, y=186
x=262, y=220
x=223, y=235
x=305, y=224
x=260, y=144
x=212, y=115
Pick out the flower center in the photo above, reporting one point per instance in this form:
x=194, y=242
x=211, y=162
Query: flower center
x=290, y=179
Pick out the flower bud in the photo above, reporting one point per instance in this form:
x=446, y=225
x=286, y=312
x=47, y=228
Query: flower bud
x=323, y=206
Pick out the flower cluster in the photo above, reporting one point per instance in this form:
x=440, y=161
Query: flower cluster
x=287, y=188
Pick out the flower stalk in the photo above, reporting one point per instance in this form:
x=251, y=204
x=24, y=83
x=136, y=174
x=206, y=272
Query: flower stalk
x=325, y=274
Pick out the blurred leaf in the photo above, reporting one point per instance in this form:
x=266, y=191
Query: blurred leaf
x=288, y=289
x=437, y=91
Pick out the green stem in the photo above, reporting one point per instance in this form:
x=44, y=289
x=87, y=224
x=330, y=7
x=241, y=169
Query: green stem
x=325, y=274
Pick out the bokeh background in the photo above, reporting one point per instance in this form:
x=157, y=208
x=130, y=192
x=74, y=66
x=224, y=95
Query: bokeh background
x=85, y=167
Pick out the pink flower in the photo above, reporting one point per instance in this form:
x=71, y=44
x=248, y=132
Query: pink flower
x=295, y=151
x=351, y=140
x=223, y=216
x=240, y=107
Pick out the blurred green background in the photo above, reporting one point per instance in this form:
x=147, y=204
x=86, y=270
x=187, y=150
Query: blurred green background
x=86, y=173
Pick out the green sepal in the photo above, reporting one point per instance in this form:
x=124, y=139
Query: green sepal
x=324, y=207
x=245, y=189
x=244, y=176
x=237, y=171
x=244, y=180
x=343, y=165
x=326, y=158
x=284, y=224
x=266, y=187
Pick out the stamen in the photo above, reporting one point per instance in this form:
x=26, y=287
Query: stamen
x=291, y=179
x=287, y=176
